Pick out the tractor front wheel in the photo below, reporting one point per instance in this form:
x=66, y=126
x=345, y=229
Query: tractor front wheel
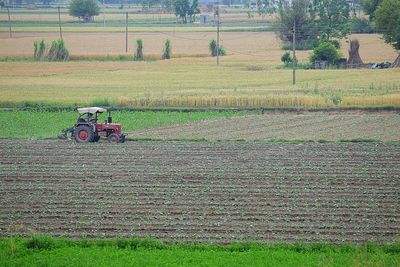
x=113, y=138
x=83, y=134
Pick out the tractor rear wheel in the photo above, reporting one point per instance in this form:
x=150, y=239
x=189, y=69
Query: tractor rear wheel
x=113, y=138
x=84, y=134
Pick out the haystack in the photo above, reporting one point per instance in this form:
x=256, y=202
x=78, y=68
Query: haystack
x=354, y=56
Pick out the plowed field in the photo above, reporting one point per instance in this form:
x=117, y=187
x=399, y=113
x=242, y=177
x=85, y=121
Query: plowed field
x=329, y=126
x=203, y=192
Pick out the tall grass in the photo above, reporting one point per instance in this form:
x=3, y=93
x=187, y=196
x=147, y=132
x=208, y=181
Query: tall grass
x=58, y=51
x=167, y=50
x=139, y=50
x=39, y=49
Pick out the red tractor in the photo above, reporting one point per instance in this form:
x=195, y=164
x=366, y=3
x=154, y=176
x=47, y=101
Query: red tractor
x=88, y=130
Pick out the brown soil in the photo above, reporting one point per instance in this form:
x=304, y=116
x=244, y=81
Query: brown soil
x=202, y=192
x=328, y=126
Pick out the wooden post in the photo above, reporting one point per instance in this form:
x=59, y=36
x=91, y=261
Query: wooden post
x=59, y=22
x=218, y=33
x=294, y=52
x=126, y=33
x=9, y=21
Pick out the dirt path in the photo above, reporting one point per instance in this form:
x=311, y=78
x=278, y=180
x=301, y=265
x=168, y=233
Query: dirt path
x=330, y=126
x=202, y=191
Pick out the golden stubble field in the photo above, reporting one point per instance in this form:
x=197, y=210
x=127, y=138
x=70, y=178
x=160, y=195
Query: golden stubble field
x=254, y=46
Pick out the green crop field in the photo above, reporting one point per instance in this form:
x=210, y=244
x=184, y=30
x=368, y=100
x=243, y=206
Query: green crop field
x=46, y=251
x=43, y=124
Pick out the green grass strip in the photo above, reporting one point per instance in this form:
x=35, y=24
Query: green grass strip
x=39, y=124
x=48, y=251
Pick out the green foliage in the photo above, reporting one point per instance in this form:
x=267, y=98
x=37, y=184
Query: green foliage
x=149, y=252
x=139, y=50
x=39, y=49
x=167, y=50
x=308, y=44
x=84, y=9
x=58, y=51
x=266, y=7
x=286, y=58
x=45, y=124
x=186, y=9
x=387, y=20
x=331, y=17
x=325, y=51
x=361, y=25
x=370, y=6
x=213, y=49
x=296, y=12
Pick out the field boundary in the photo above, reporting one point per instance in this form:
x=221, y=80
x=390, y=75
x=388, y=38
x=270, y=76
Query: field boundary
x=262, y=110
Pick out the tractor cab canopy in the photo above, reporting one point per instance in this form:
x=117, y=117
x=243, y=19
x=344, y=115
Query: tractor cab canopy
x=91, y=110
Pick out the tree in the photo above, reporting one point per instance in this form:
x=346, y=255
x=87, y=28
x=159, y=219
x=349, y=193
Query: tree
x=185, y=9
x=266, y=7
x=332, y=17
x=369, y=7
x=2, y=4
x=193, y=10
x=387, y=20
x=181, y=9
x=296, y=12
x=84, y=9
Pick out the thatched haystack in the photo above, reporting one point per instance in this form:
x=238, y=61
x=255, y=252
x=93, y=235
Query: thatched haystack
x=354, y=56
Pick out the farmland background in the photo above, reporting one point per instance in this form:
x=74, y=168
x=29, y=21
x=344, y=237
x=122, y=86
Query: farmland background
x=251, y=75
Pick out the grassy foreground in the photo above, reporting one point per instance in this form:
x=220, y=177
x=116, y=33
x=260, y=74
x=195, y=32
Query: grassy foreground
x=45, y=124
x=48, y=251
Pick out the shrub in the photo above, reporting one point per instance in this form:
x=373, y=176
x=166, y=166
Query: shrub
x=286, y=58
x=360, y=25
x=213, y=49
x=139, y=50
x=167, y=50
x=58, y=51
x=325, y=51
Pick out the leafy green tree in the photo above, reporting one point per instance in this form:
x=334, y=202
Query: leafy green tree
x=387, y=20
x=193, y=10
x=181, y=9
x=185, y=9
x=266, y=7
x=296, y=12
x=84, y=9
x=331, y=17
x=369, y=7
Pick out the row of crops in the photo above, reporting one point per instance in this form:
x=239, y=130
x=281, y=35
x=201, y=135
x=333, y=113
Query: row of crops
x=201, y=191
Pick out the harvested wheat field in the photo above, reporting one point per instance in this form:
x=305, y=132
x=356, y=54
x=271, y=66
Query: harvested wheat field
x=202, y=192
x=264, y=46
x=316, y=126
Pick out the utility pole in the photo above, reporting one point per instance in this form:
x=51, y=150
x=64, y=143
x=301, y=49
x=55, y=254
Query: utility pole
x=126, y=33
x=218, y=33
x=294, y=52
x=9, y=21
x=59, y=22
x=104, y=15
